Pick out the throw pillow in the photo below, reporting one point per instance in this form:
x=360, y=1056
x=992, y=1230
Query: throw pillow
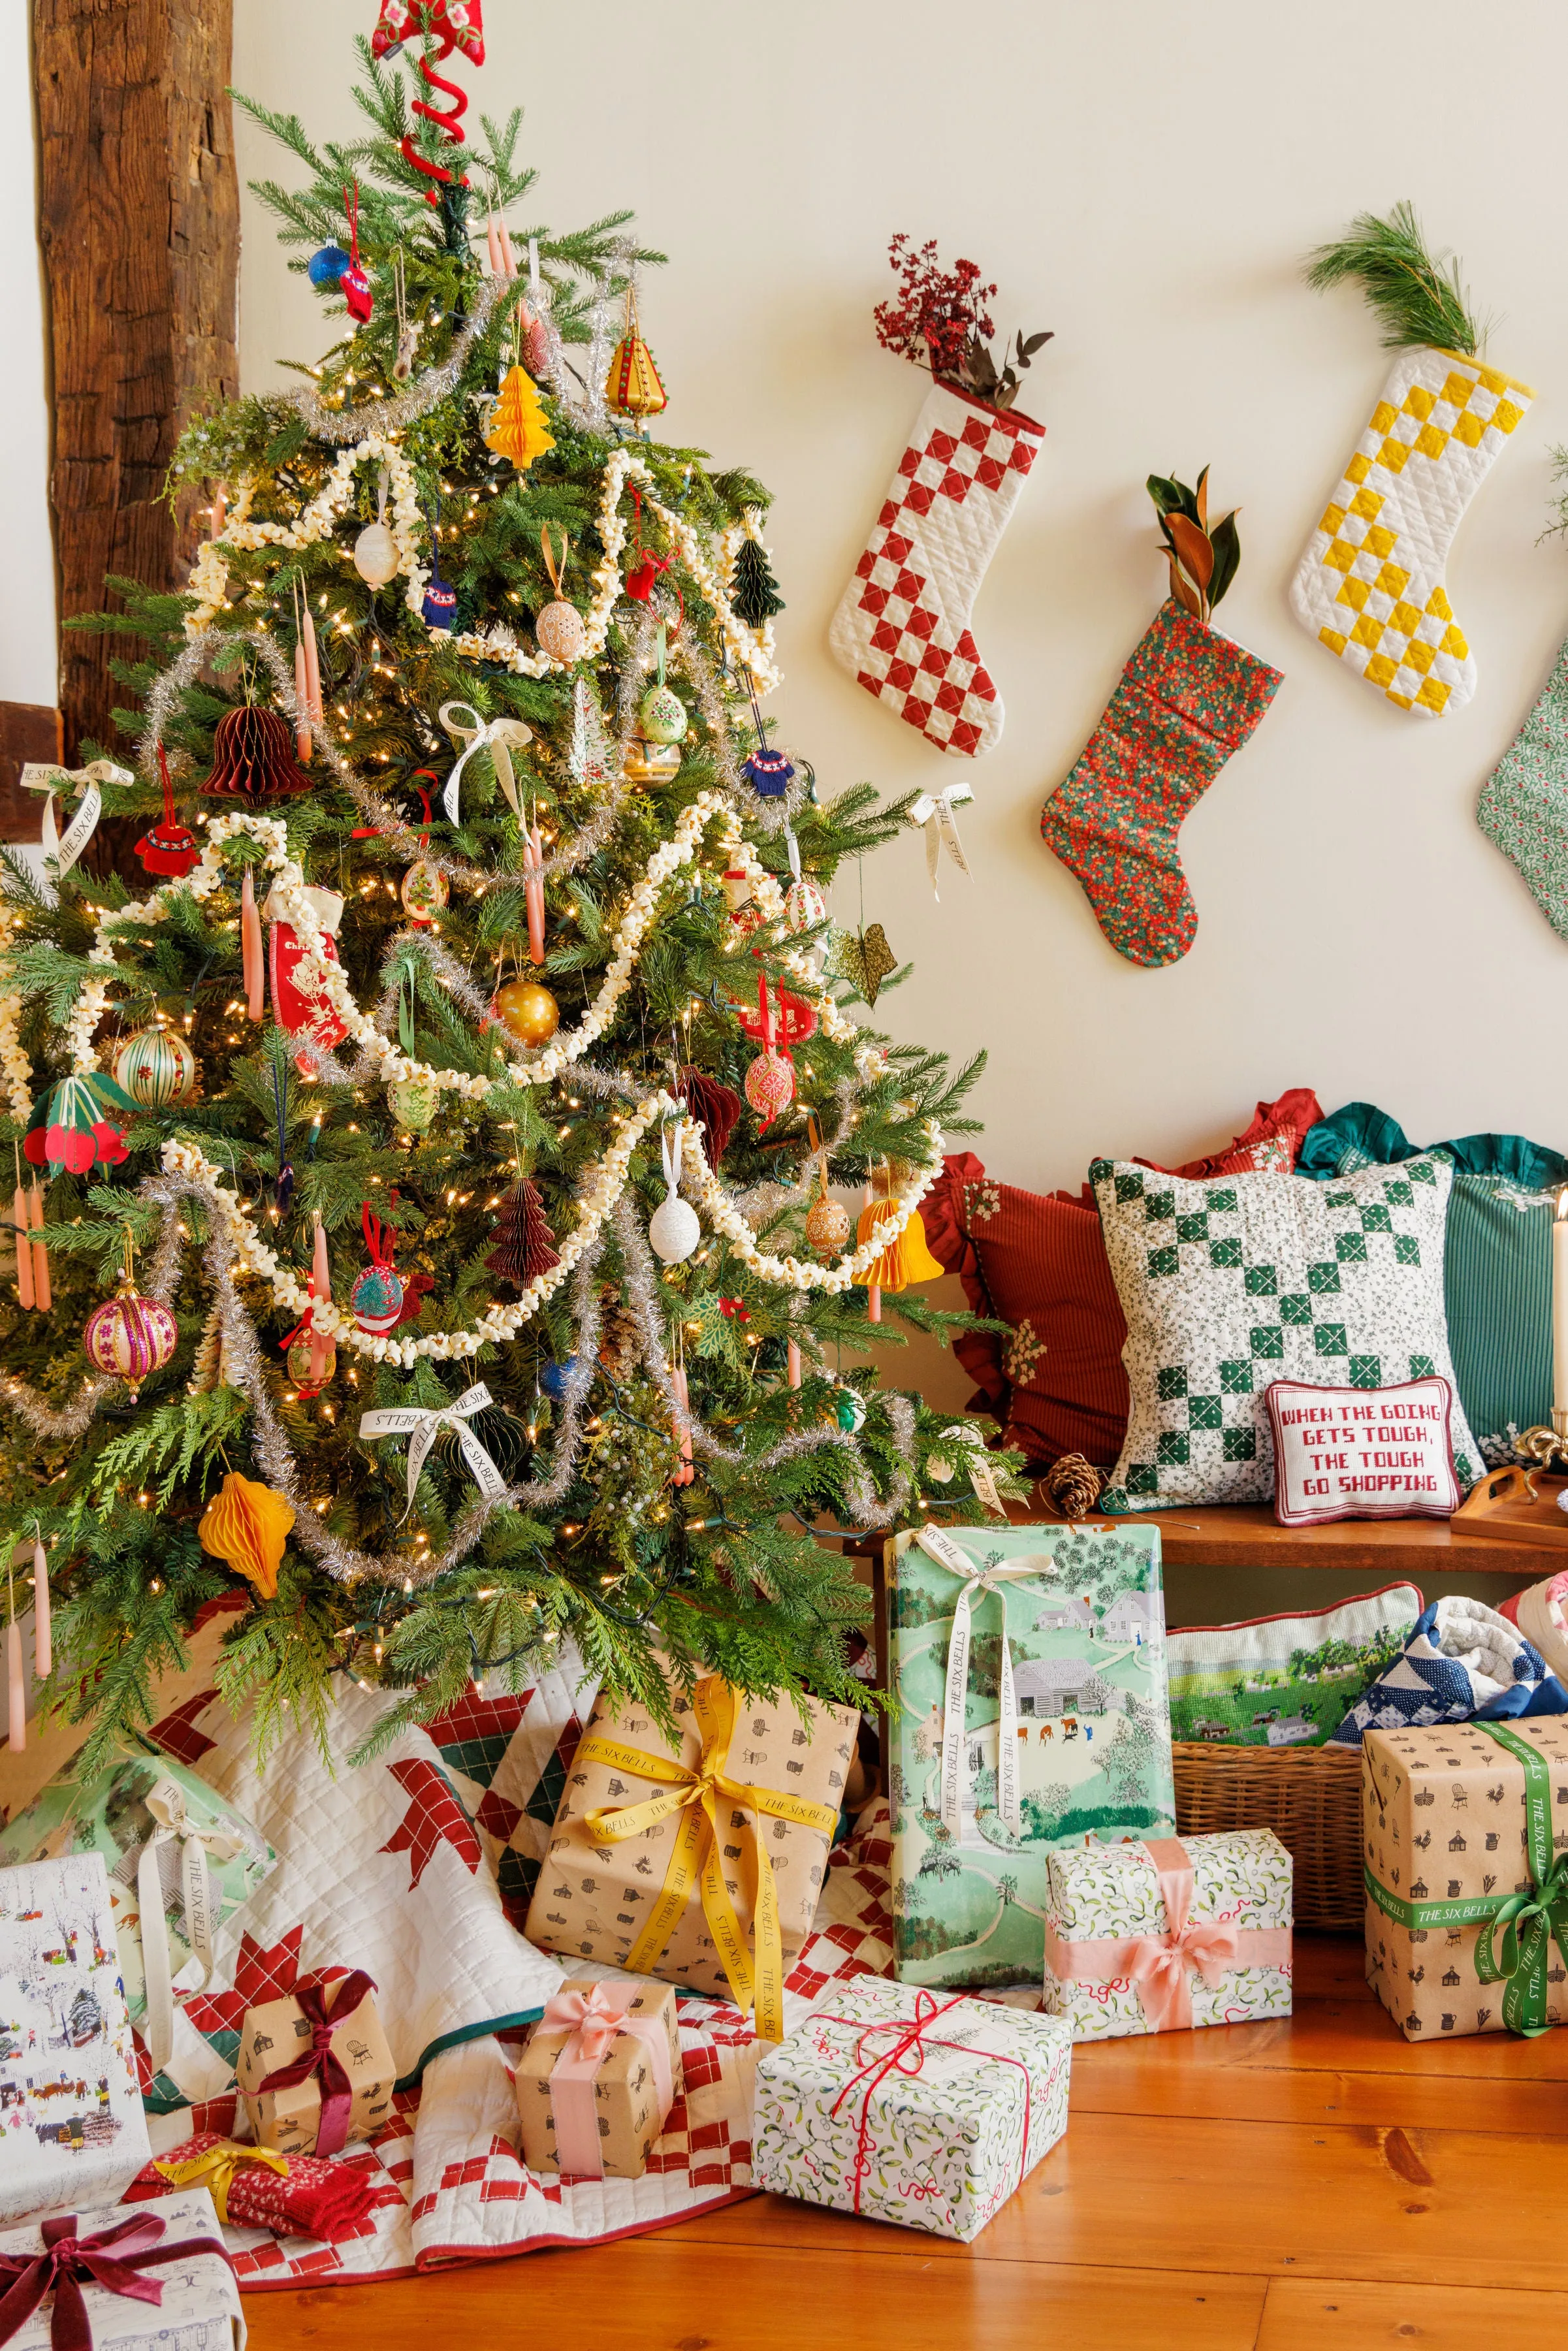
x=1285, y=1681
x=1347, y=1453
x=1230, y=1286
x=1461, y=1662
x=1497, y=1277
x=1268, y=1147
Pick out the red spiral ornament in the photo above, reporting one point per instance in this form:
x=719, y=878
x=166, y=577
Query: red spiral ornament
x=448, y=121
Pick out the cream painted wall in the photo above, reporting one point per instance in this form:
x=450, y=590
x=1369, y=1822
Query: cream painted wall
x=28, y=670
x=1144, y=180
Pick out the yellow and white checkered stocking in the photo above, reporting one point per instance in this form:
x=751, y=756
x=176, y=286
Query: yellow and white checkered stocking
x=1370, y=585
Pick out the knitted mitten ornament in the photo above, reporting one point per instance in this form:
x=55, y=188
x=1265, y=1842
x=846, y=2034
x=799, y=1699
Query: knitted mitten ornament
x=1523, y=805
x=1371, y=585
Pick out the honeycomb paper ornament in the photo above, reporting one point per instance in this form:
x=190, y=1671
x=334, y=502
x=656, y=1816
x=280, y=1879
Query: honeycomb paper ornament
x=255, y=757
x=518, y=429
x=245, y=1525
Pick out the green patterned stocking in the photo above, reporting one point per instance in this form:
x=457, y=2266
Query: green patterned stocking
x=1523, y=805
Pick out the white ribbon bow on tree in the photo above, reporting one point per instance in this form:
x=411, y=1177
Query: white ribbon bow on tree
x=977, y=1466
x=43, y=776
x=166, y=1802
x=500, y=736
x=932, y=813
x=421, y=1430
x=995, y=1578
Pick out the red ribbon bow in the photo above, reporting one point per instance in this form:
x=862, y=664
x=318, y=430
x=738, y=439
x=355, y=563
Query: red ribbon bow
x=113, y=2258
x=907, y=2055
x=321, y=2061
x=380, y=1240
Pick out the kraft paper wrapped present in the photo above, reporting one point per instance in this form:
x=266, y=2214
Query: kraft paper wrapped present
x=1176, y=1931
x=314, y=2067
x=909, y=2105
x=1030, y=1663
x=598, y=2077
x=120, y=2280
x=698, y=1863
x=1467, y=1875
x=179, y=1861
x=72, y=2131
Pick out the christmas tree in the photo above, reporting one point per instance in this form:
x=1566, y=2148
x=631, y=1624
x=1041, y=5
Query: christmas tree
x=474, y=947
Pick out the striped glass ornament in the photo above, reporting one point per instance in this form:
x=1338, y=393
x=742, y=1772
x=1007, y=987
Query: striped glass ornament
x=131, y=1336
x=156, y=1068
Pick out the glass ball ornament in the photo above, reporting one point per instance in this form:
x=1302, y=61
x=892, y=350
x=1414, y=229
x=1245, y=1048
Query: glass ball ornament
x=649, y=763
x=553, y=1378
x=425, y=891
x=662, y=715
x=674, y=1228
x=770, y=1084
x=412, y=1101
x=298, y=1362
x=804, y=905
x=130, y=1337
x=375, y=555
x=827, y=1225
x=376, y=1298
x=561, y=631
x=156, y=1068
x=529, y=1011
x=849, y=1409
x=326, y=267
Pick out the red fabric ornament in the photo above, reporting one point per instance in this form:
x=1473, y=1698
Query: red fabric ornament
x=779, y=1015
x=168, y=848
x=255, y=758
x=416, y=1289
x=355, y=285
x=311, y=1020
x=309, y=2198
x=459, y=22
x=713, y=1107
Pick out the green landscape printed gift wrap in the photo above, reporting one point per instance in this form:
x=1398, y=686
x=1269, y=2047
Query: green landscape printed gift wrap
x=1028, y=1664
x=1157, y=1936
x=910, y=2106
x=179, y=1861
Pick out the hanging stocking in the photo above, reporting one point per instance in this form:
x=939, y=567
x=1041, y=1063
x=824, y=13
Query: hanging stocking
x=1186, y=700
x=1523, y=805
x=902, y=629
x=1371, y=585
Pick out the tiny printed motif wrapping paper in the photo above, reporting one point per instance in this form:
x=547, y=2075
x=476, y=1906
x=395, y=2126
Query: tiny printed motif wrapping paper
x=922, y=2108
x=592, y=2099
x=72, y=2129
x=1466, y=1830
x=177, y=2246
x=1158, y=1937
x=1090, y=1752
x=297, y=2118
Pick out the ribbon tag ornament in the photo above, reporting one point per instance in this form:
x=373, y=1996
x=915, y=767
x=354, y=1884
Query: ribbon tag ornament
x=500, y=736
x=969, y=1446
x=933, y=814
x=422, y=1428
x=994, y=1578
x=595, y=2020
x=49, y=779
x=173, y=1825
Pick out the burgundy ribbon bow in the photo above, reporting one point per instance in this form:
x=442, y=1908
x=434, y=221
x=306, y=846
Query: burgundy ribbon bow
x=321, y=2061
x=907, y=2055
x=114, y=2259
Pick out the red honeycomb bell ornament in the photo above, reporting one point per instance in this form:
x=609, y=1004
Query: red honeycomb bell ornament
x=255, y=757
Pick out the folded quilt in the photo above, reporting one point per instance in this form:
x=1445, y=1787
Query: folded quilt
x=1463, y=1663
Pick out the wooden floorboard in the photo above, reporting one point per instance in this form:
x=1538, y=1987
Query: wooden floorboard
x=1316, y=2184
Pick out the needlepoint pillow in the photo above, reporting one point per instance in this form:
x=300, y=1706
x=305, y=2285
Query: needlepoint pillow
x=1230, y=1286
x=1353, y=1453
x=1285, y=1681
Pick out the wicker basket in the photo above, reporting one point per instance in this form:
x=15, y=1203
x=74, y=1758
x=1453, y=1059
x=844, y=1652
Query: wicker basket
x=1309, y=1797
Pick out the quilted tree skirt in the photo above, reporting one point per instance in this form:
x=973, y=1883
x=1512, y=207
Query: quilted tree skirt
x=418, y=1867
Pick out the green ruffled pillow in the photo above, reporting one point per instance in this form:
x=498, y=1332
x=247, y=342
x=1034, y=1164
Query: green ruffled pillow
x=1497, y=1266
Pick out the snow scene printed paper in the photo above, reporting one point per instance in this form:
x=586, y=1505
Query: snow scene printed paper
x=940, y=2146
x=1093, y=1738
x=72, y=2130
x=198, y=2308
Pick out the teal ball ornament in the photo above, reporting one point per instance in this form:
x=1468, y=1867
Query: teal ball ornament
x=376, y=1298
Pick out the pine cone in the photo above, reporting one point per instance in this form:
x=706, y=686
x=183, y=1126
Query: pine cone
x=206, y=1372
x=1074, y=1485
x=620, y=1339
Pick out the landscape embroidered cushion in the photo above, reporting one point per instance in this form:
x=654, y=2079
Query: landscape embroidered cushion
x=1355, y=1452
x=1284, y=1681
x=1228, y=1287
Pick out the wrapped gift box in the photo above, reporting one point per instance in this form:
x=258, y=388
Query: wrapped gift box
x=910, y=2107
x=1091, y=1751
x=146, y=1803
x=275, y=2038
x=1179, y=1931
x=1461, y=1822
x=179, y=2247
x=623, y=1888
x=598, y=2077
x=72, y=2131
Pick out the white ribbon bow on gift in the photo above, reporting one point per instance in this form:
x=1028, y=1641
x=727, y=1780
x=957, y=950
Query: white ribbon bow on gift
x=43, y=776
x=166, y=1802
x=945, y=1551
x=501, y=736
x=421, y=1430
x=932, y=813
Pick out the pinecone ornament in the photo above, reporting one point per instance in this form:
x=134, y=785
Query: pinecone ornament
x=619, y=1338
x=1074, y=1485
x=208, y=1369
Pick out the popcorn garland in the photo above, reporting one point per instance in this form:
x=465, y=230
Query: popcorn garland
x=15, y=1069
x=209, y=576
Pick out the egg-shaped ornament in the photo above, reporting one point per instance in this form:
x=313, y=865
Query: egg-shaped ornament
x=376, y=1301
x=311, y=1364
x=804, y=905
x=827, y=1225
x=529, y=1011
x=561, y=631
x=326, y=267
x=131, y=1336
x=156, y=1068
x=376, y=555
x=675, y=1228
x=770, y=1084
x=849, y=1408
x=425, y=892
x=412, y=1102
x=662, y=715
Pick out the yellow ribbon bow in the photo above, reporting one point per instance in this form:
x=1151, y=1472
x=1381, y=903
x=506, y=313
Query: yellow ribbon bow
x=216, y=2167
x=698, y=1851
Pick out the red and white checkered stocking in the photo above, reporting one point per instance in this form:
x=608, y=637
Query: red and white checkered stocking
x=902, y=629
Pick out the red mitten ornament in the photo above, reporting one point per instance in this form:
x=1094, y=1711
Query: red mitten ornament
x=310, y=1020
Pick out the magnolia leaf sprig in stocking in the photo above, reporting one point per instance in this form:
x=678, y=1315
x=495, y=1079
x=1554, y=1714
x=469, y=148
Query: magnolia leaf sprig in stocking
x=1202, y=561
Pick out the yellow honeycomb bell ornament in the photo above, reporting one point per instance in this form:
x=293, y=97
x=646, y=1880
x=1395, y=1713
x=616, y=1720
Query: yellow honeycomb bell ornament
x=245, y=1525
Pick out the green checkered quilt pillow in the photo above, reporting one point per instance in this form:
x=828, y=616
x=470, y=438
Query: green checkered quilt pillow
x=1226, y=1286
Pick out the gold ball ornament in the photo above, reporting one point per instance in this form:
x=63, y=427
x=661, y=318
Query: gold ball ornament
x=425, y=891
x=561, y=631
x=827, y=1225
x=412, y=1102
x=662, y=715
x=298, y=1361
x=529, y=1011
x=156, y=1068
x=649, y=763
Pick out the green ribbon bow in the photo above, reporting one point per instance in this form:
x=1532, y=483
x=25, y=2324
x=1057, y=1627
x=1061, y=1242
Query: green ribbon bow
x=1514, y=1947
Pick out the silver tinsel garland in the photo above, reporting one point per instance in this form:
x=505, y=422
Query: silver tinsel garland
x=338, y=426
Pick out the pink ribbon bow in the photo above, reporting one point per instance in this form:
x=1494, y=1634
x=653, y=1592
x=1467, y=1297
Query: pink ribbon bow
x=1162, y=1966
x=595, y=2020
x=114, y=2259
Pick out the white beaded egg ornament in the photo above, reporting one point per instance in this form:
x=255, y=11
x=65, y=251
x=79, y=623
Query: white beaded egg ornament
x=675, y=1228
x=559, y=629
x=375, y=549
x=660, y=714
x=412, y=1102
x=804, y=905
